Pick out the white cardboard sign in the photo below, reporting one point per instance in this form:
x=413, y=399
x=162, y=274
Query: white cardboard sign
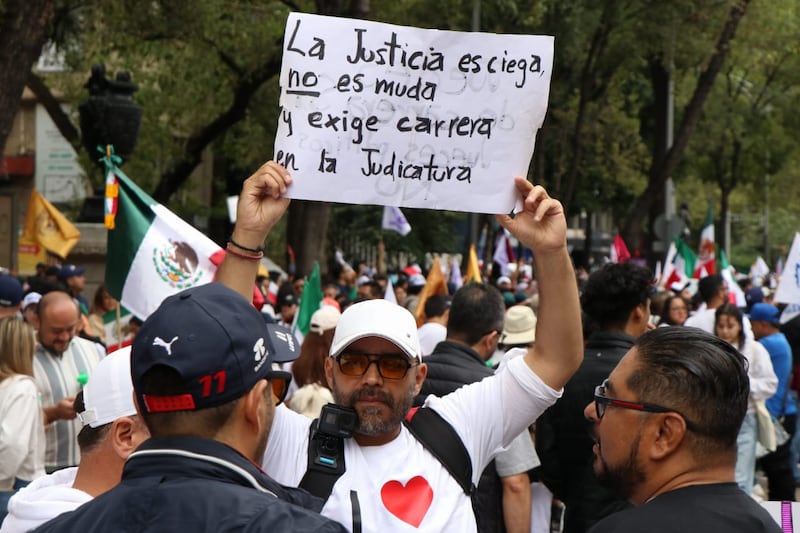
x=374, y=113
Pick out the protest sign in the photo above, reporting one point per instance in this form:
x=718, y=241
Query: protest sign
x=374, y=113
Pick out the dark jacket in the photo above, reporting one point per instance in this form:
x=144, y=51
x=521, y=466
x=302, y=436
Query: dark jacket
x=564, y=442
x=450, y=366
x=193, y=484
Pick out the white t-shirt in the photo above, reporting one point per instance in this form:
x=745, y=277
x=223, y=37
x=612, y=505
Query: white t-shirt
x=430, y=334
x=400, y=486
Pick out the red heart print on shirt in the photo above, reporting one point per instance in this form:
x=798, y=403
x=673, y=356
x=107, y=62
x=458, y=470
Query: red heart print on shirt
x=408, y=502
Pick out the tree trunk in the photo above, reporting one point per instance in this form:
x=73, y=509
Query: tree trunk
x=23, y=29
x=306, y=232
x=658, y=174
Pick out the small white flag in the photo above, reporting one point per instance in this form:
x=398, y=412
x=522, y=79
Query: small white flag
x=788, y=290
x=395, y=220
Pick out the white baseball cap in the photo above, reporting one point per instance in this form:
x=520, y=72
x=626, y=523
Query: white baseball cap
x=324, y=318
x=377, y=318
x=109, y=393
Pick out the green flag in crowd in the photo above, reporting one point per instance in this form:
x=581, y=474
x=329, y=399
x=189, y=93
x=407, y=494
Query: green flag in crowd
x=310, y=300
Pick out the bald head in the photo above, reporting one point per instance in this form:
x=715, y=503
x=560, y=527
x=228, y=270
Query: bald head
x=59, y=317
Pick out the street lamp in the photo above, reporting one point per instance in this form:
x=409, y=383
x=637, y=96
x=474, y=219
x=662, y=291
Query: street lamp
x=108, y=117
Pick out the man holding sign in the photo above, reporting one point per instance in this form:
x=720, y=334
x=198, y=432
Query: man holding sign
x=387, y=479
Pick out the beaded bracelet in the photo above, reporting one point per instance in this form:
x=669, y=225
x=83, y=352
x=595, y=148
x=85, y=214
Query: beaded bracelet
x=258, y=250
x=229, y=249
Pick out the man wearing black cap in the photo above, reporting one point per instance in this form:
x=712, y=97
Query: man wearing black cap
x=203, y=382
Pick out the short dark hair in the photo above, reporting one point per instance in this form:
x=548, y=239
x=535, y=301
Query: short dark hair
x=88, y=437
x=699, y=375
x=615, y=290
x=437, y=304
x=162, y=380
x=476, y=310
x=709, y=286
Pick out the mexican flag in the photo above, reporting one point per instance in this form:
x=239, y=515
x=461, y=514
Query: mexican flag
x=679, y=264
x=735, y=293
x=152, y=252
x=118, y=329
x=705, y=256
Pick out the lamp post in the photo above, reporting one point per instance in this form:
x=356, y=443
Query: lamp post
x=108, y=117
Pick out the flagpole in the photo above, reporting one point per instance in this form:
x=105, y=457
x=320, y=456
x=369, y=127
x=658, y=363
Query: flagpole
x=119, y=326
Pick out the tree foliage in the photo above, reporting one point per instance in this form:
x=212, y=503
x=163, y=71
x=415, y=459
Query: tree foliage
x=207, y=75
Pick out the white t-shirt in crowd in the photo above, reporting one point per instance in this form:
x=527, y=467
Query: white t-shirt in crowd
x=430, y=334
x=400, y=486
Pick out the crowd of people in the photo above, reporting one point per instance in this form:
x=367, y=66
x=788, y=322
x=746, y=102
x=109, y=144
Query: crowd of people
x=595, y=403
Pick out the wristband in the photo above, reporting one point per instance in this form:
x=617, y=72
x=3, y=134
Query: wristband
x=240, y=255
x=259, y=250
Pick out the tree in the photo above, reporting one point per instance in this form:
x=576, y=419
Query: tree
x=23, y=29
x=662, y=169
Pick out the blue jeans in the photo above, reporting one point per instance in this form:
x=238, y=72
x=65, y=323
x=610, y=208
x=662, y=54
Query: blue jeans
x=746, y=453
x=6, y=495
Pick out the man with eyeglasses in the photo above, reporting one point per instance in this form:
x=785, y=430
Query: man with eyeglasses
x=616, y=299
x=665, y=425
x=204, y=384
x=390, y=481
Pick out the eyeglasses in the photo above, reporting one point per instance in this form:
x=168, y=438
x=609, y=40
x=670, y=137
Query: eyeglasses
x=390, y=366
x=280, y=384
x=601, y=402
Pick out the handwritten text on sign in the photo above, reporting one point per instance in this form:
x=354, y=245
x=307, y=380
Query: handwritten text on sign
x=373, y=113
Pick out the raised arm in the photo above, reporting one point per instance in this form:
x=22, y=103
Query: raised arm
x=261, y=205
x=542, y=227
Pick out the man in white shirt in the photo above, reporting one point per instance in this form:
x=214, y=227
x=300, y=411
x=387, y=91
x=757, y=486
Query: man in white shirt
x=391, y=482
x=434, y=330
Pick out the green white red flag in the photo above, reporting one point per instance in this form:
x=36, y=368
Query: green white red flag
x=152, y=252
x=706, y=255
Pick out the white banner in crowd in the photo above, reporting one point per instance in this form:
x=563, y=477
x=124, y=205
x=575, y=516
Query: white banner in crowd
x=380, y=114
x=788, y=290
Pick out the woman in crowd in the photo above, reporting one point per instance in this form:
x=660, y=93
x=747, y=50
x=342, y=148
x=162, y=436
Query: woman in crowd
x=308, y=370
x=729, y=326
x=21, y=426
x=675, y=311
x=102, y=303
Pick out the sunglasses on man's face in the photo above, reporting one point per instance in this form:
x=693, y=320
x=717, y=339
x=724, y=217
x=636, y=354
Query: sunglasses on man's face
x=390, y=366
x=279, y=382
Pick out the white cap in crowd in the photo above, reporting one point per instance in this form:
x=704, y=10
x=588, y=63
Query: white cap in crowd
x=109, y=393
x=377, y=318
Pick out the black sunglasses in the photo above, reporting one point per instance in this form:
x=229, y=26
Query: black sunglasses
x=601, y=402
x=279, y=380
x=390, y=366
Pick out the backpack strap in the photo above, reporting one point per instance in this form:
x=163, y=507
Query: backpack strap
x=325, y=462
x=442, y=441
